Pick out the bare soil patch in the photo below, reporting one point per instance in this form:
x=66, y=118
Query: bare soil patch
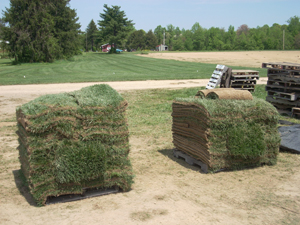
x=166, y=190
x=243, y=58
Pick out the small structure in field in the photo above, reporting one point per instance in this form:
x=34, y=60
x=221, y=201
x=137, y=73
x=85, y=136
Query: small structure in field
x=106, y=47
x=161, y=47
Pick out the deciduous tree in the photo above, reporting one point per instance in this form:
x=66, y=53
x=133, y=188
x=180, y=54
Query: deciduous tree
x=136, y=40
x=159, y=33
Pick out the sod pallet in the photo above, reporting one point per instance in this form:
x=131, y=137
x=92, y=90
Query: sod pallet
x=74, y=142
x=283, y=85
x=226, y=134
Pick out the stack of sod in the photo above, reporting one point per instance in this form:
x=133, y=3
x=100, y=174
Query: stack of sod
x=73, y=141
x=226, y=134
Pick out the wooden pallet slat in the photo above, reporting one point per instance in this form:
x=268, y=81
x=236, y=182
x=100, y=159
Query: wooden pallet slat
x=88, y=193
x=250, y=82
x=216, y=77
x=276, y=71
x=296, y=112
x=282, y=65
x=190, y=160
x=248, y=77
x=282, y=95
x=251, y=89
x=272, y=100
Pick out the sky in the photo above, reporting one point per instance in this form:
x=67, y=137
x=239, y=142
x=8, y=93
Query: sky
x=148, y=14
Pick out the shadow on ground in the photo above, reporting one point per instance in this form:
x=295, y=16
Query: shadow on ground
x=180, y=161
x=20, y=181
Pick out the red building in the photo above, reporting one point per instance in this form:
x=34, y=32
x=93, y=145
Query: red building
x=106, y=47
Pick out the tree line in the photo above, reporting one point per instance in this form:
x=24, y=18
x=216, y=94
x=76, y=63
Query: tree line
x=46, y=30
x=276, y=37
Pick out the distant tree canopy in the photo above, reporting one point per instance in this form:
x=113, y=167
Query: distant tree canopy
x=197, y=38
x=41, y=31
x=114, y=26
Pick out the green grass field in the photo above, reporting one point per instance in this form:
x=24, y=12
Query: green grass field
x=149, y=111
x=99, y=67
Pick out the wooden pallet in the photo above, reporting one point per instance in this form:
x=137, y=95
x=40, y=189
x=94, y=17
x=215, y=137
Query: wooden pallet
x=287, y=103
x=282, y=65
x=282, y=95
x=282, y=87
x=190, y=160
x=296, y=112
x=245, y=72
x=88, y=193
x=245, y=88
x=216, y=77
x=243, y=82
x=284, y=82
x=245, y=75
x=283, y=109
x=275, y=71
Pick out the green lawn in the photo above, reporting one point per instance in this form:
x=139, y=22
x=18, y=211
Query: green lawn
x=97, y=67
x=150, y=111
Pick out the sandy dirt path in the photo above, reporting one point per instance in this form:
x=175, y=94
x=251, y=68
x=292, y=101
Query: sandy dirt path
x=13, y=95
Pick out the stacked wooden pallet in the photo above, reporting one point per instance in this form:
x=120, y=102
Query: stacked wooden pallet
x=244, y=79
x=283, y=85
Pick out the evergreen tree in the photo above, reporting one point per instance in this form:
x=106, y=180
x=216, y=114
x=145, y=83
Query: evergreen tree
x=91, y=32
x=114, y=26
x=41, y=30
x=151, y=40
x=1, y=26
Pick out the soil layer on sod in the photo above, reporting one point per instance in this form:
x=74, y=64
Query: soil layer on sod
x=73, y=141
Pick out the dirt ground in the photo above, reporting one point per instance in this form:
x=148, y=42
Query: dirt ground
x=243, y=58
x=166, y=190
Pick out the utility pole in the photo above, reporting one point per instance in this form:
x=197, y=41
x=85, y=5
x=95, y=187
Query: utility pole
x=283, y=40
x=86, y=42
